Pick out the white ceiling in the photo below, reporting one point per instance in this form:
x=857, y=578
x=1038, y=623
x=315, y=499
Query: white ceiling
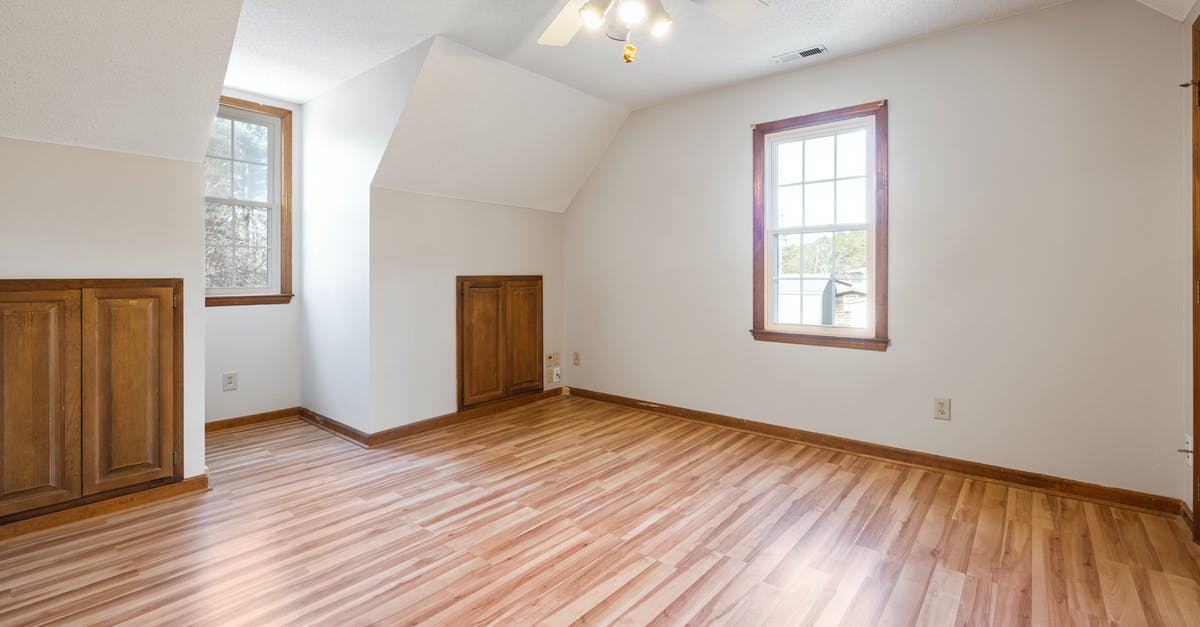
x=1177, y=9
x=296, y=49
x=140, y=76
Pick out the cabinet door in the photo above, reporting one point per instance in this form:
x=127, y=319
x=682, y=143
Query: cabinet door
x=523, y=335
x=128, y=389
x=39, y=399
x=481, y=344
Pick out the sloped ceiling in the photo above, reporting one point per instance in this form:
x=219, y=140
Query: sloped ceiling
x=138, y=76
x=1177, y=9
x=477, y=128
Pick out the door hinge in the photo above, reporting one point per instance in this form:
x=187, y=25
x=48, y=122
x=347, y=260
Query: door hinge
x=174, y=457
x=174, y=301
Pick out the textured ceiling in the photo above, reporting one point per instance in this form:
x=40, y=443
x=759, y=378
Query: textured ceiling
x=138, y=76
x=297, y=49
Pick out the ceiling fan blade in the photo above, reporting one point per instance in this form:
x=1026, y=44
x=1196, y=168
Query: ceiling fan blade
x=736, y=12
x=562, y=30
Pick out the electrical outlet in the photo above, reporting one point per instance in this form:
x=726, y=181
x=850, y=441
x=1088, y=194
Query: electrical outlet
x=229, y=381
x=557, y=375
x=575, y=358
x=941, y=408
x=1187, y=446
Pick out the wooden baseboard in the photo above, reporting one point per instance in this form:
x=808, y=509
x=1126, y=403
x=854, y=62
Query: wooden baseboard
x=372, y=440
x=98, y=509
x=252, y=419
x=997, y=474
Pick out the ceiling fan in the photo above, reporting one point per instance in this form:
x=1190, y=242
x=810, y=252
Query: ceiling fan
x=619, y=17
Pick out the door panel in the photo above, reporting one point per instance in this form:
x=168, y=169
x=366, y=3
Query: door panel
x=482, y=342
x=39, y=399
x=128, y=390
x=523, y=335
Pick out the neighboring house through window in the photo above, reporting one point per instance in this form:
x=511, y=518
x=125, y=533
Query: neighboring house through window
x=820, y=228
x=247, y=178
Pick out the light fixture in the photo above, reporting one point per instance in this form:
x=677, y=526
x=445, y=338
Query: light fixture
x=631, y=11
x=593, y=12
x=660, y=20
x=619, y=17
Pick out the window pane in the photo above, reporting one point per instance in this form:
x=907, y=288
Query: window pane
x=219, y=138
x=218, y=224
x=851, y=254
x=253, y=226
x=787, y=302
x=789, y=203
x=818, y=204
x=818, y=159
x=852, y=154
x=250, y=142
x=850, y=305
x=217, y=177
x=818, y=254
x=250, y=267
x=852, y=201
x=791, y=163
x=788, y=247
x=250, y=182
x=817, y=303
x=219, y=267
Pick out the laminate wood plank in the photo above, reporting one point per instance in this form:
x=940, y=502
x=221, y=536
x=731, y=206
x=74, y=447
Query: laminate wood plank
x=576, y=511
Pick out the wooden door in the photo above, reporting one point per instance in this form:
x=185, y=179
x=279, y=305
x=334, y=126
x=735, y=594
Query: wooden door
x=523, y=335
x=39, y=399
x=481, y=341
x=128, y=386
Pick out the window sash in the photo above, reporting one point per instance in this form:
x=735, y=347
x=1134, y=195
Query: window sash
x=274, y=200
x=773, y=275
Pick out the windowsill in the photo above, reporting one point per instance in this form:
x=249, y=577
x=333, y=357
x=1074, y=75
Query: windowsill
x=812, y=339
x=263, y=299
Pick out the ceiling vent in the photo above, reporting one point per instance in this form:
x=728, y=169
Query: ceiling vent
x=802, y=53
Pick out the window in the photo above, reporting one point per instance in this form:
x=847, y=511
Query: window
x=247, y=180
x=820, y=229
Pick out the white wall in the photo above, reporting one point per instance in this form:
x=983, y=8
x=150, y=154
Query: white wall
x=259, y=342
x=1039, y=268
x=478, y=128
x=345, y=134
x=69, y=212
x=419, y=244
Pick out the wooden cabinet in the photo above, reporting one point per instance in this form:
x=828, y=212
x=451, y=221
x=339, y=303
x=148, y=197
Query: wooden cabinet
x=499, y=337
x=39, y=399
x=90, y=387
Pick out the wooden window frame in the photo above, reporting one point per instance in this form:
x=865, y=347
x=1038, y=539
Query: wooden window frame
x=760, y=331
x=285, y=294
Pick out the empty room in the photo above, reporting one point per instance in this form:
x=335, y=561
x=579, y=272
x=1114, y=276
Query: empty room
x=592, y=312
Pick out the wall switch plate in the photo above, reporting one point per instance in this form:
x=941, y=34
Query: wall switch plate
x=941, y=408
x=557, y=375
x=575, y=358
x=229, y=381
x=1187, y=446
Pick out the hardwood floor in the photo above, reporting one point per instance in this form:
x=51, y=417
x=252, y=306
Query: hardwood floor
x=572, y=510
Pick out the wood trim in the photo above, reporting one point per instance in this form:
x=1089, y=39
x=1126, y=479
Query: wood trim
x=107, y=504
x=234, y=301
x=176, y=286
x=285, y=210
x=374, y=440
x=839, y=341
x=759, y=329
x=339, y=429
x=251, y=419
x=986, y=472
